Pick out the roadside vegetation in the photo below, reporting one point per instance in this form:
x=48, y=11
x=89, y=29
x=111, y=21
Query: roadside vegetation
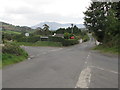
x=12, y=53
x=102, y=19
x=112, y=50
x=40, y=43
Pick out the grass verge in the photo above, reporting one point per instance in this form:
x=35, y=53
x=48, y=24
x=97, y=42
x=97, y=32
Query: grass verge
x=8, y=59
x=40, y=43
x=12, y=53
x=104, y=49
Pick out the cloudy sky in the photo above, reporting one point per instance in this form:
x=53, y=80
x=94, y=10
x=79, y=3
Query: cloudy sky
x=32, y=12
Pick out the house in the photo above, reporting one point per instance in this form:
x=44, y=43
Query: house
x=45, y=38
x=58, y=35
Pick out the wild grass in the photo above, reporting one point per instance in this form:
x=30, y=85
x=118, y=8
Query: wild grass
x=40, y=43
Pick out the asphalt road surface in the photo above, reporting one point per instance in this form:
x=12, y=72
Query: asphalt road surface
x=66, y=67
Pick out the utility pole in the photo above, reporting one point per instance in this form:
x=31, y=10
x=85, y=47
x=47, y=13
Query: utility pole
x=72, y=28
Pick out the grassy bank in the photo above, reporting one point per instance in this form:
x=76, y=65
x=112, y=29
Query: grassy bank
x=104, y=49
x=12, y=53
x=8, y=59
x=40, y=43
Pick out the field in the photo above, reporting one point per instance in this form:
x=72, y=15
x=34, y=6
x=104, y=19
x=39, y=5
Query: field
x=11, y=32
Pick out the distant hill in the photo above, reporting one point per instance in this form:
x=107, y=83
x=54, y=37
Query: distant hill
x=10, y=27
x=55, y=25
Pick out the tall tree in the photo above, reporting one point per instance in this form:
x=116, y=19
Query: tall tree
x=102, y=19
x=46, y=29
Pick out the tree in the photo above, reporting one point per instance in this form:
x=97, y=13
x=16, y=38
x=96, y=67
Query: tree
x=95, y=18
x=46, y=29
x=103, y=20
x=61, y=31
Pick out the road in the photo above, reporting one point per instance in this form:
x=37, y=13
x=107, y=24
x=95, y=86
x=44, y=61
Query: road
x=65, y=67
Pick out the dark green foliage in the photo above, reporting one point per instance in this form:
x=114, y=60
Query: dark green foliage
x=95, y=19
x=23, y=38
x=65, y=42
x=86, y=38
x=55, y=39
x=74, y=30
x=70, y=42
x=67, y=35
x=61, y=31
x=6, y=36
x=102, y=19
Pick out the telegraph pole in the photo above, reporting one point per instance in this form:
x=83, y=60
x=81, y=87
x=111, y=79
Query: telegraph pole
x=72, y=28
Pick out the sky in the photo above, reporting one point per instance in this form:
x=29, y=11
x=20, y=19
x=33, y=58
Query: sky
x=32, y=12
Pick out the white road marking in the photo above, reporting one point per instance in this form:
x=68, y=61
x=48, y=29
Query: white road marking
x=88, y=56
x=56, y=49
x=105, y=69
x=86, y=62
x=44, y=52
x=29, y=58
x=84, y=78
x=32, y=56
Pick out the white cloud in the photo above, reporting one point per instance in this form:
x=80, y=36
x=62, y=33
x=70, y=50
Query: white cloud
x=31, y=12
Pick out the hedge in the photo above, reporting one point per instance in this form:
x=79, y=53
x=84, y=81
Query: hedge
x=28, y=39
x=56, y=39
x=70, y=42
x=65, y=42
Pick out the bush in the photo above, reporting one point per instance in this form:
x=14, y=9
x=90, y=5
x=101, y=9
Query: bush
x=6, y=36
x=70, y=42
x=86, y=38
x=55, y=39
x=11, y=48
x=65, y=42
x=67, y=35
x=28, y=39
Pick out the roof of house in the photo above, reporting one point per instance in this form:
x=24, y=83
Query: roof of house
x=59, y=35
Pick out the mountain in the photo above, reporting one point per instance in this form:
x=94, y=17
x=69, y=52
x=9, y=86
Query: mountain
x=55, y=25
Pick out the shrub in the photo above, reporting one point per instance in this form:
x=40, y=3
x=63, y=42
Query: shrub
x=11, y=48
x=55, y=39
x=70, y=42
x=6, y=36
x=67, y=35
x=33, y=38
x=28, y=39
x=86, y=38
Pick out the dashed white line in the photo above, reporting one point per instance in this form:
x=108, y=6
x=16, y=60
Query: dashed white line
x=29, y=58
x=86, y=62
x=44, y=52
x=56, y=49
x=32, y=56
